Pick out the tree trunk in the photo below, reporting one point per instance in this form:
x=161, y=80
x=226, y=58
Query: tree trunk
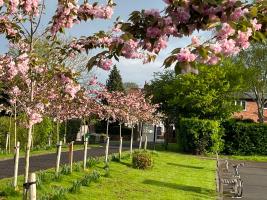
x=106, y=152
x=85, y=153
x=154, y=138
x=57, y=132
x=16, y=166
x=140, y=135
x=131, y=145
x=120, y=147
x=107, y=127
x=27, y=154
x=15, y=125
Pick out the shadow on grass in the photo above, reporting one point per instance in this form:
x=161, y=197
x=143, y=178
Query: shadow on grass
x=186, y=166
x=187, y=188
x=125, y=163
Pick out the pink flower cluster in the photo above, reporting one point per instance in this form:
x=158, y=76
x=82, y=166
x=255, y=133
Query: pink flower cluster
x=69, y=14
x=105, y=63
x=185, y=55
x=65, y=17
x=30, y=7
x=96, y=11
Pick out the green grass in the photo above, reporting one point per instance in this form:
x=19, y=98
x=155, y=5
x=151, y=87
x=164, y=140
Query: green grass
x=247, y=158
x=174, y=176
x=4, y=156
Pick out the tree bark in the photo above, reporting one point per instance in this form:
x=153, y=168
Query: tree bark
x=131, y=144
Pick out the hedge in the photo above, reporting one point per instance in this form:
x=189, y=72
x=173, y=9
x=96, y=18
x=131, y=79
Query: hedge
x=198, y=136
x=245, y=138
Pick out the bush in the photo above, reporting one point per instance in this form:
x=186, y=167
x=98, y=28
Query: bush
x=199, y=136
x=245, y=138
x=142, y=160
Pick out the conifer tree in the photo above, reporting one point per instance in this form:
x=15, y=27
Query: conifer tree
x=114, y=82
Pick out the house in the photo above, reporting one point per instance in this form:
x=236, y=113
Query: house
x=250, y=108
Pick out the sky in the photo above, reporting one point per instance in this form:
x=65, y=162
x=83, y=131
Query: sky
x=131, y=70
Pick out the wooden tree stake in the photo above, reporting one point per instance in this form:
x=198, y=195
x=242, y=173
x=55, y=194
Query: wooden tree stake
x=85, y=153
x=58, y=156
x=15, y=183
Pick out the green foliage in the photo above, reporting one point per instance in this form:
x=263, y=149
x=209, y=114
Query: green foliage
x=76, y=187
x=207, y=95
x=92, y=162
x=142, y=160
x=65, y=170
x=77, y=167
x=59, y=193
x=254, y=68
x=114, y=82
x=73, y=127
x=8, y=191
x=245, y=138
x=42, y=132
x=198, y=136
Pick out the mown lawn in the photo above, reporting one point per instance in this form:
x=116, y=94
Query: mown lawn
x=174, y=176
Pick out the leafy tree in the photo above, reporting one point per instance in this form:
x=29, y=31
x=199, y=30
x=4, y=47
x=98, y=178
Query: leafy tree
x=114, y=82
x=208, y=95
x=254, y=62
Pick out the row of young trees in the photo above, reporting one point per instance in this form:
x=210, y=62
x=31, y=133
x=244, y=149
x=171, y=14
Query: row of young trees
x=36, y=84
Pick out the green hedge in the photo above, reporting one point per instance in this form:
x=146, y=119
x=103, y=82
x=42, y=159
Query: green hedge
x=245, y=138
x=198, y=136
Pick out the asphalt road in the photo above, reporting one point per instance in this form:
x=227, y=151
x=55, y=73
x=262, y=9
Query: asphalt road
x=254, y=175
x=47, y=161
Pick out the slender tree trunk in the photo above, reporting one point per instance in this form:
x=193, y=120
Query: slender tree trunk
x=131, y=145
x=65, y=132
x=16, y=166
x=85, y=153
x=120, y=147
x=154, y=138
x=57, y=132
x=32, y=135
x=15, y=124
x=141, y=135
x=107, y=127
x=27, y=154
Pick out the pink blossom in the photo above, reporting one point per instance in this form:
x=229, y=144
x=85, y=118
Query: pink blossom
x=186, y=56
x=238, y=13
x=153, y=12
x=243, y=38
x=226, y=31
x=195, y=41
x=255, y=24
x=1, y=3
x=15, y=91
x=72, y=89
x=229, y=47
x=216, y=48
x=105, y=64
x=93, y=81
x=153, y=32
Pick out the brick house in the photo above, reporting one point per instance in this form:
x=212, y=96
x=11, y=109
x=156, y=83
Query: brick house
x=250, y=110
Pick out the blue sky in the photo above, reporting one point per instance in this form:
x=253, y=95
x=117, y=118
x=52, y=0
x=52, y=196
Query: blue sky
x=131, y=70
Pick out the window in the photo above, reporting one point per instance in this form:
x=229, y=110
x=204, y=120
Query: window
x=243, y=104
x=265, y=105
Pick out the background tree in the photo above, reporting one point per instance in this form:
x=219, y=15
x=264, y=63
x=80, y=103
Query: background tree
x=208, y=95
x=114, y=82
x=254, y=63
x=130, y=85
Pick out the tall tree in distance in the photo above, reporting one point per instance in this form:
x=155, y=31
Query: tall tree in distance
x=254, y=61
x=114, y=82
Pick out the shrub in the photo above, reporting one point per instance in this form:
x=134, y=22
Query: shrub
x=198, y=136
x=65, y=170
x=76, y=186
x=91, y=162
x=142, y=160
x=245, y=138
